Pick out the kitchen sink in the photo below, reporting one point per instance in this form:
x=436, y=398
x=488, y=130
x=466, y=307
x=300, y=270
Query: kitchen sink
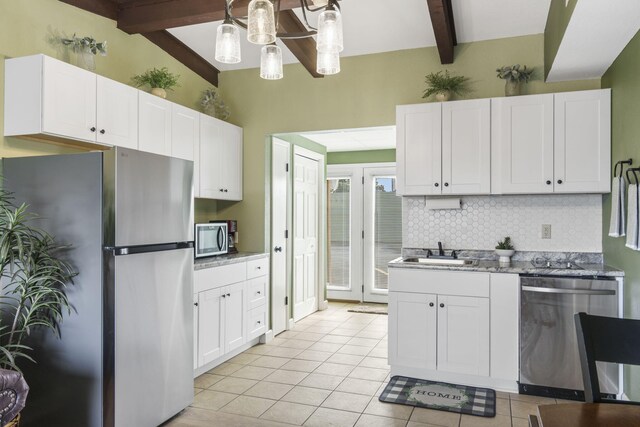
x=440, y=261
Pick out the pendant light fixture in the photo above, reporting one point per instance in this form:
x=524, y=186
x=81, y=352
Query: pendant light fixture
x=271, y=62
x=261, y=25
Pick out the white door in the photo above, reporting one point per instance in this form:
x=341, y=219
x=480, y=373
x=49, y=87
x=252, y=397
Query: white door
x=582, y=149
x=463, y=335
x=210, y=321
x=466, y=147
x=382, y=230
x=344, y=232
x=305, y=233
x=230, y=161
x=154, y=115
x=419, y=149
x=69, y=101
x=412, y=325
x=280, y=156
x=185, y=132
x=234, y=316
x=117, y=111
x=522, y=144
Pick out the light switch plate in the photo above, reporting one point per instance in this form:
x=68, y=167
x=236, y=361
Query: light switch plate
x=546, y=231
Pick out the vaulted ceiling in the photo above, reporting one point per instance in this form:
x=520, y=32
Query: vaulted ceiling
x=186, y=28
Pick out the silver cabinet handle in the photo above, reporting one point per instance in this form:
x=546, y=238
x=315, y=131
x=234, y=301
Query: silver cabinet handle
x=568, y=291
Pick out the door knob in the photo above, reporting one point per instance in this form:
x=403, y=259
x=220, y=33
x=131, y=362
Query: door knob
x=102, y=131
x=441, y=305
x=277, y=249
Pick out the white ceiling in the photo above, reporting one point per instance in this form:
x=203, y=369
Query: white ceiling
x=378, y=138
x=374, y=26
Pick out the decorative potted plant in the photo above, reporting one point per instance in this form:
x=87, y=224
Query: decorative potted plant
x=33, y=296
x=505, y=250
x=213, y=105
x=443, y=85
x=159, y=80
x=514, y=75
x=86, y=49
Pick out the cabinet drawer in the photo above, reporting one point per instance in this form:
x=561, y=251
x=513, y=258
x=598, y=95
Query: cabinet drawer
x=257, y=324
x=257, y=292
x=463, y=283
x=215, y=277
x=257, y=268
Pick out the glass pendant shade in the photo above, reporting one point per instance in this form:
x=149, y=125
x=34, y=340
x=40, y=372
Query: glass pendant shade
x=261, y=25
x=329, y=37
x=328, y=63
x=271, y=63
x=228, y=44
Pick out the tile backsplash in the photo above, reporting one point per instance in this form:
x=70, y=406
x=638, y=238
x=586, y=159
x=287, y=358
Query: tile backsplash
x=576, y=223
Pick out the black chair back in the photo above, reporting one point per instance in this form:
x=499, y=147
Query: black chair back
x=605, y=339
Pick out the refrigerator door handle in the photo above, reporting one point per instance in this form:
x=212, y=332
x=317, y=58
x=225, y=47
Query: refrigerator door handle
x=568, y=291
x=131, y=250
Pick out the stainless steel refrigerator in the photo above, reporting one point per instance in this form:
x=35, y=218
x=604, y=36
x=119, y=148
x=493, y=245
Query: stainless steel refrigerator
x=126, y=353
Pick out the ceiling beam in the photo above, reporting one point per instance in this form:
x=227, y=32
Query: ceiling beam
x=105, y=8
x=144, y=16
x=183, y=53
x=443, y=28
x=303, y=49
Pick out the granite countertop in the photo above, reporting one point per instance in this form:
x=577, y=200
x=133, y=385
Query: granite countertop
x=516, y=267
x=219, y=260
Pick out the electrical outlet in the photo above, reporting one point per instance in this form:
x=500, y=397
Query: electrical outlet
x=546, y=231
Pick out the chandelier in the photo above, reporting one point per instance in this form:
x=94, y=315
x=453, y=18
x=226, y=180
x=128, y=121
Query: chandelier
x=261, y=24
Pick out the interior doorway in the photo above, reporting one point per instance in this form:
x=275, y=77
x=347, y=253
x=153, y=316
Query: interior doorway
x=364, y=230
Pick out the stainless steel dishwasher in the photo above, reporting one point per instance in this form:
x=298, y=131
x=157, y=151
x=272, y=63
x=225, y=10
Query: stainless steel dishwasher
x=549, y=360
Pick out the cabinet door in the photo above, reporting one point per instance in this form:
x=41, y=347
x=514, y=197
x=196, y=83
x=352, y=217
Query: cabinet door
x=210, y=326
x=466, y=147
x=463, y=335
x=522, y=144
x=419, y=149
x=231, y=161
x=210, y=183
x=117, y=114
x=412, y=330
x=195, y=331
x=235, y=316
x=582, y=143
x=185, y=132
x=68, y=101
x=154, y=125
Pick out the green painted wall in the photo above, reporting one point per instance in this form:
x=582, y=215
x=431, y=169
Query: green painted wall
x=622, y=78
x=27, y=26
x=364, y=94
x=368, y=156
x=558, y=19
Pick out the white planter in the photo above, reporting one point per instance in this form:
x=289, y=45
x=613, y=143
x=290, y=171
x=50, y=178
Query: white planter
x=505, y=255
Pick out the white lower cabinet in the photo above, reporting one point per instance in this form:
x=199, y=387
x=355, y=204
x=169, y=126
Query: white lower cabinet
x=445, y=326
x=229, y=310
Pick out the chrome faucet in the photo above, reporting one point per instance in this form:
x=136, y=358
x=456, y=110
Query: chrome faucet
x=440, y=250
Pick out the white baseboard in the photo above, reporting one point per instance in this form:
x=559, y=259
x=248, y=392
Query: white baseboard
x=291, y=324
x=323, y=305
x=268, y=336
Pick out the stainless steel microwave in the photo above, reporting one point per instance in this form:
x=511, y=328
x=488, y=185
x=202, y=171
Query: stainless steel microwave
x=211, y=239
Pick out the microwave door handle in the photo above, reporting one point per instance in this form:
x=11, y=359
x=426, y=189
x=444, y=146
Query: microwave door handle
x=568, y=291
x=220, y=238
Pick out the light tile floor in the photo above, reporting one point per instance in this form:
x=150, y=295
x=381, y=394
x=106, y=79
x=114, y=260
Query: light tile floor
x=328, y=371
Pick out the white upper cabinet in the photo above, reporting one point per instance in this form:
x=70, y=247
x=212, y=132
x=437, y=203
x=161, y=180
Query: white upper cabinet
x=185, y=132
x=419, y=149
x=522, y=144
x=117, y=114
x=466, y=147
x=444, y=148
x=155, y=124
x=220, y=161
x=582, y=146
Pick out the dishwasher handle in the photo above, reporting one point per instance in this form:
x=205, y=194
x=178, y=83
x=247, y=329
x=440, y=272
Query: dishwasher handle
x=569, y=291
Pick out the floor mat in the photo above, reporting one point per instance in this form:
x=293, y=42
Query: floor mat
x=441, y=396
x=369, y=308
